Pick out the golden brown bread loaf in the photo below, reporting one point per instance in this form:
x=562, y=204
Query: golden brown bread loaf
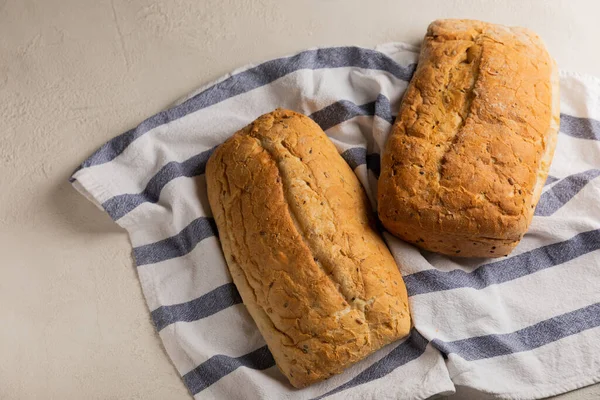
x=469, y=153
x=294, y=225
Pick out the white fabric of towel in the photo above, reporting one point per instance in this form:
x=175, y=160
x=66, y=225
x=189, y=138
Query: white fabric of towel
x=523, y=326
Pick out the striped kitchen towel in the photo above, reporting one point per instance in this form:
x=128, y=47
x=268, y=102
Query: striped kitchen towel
x=524, y=326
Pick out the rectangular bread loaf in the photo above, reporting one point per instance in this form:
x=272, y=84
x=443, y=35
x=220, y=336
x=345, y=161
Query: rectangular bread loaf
x=294, y=225
x=464, y=166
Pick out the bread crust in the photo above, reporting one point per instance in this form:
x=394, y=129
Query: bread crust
x=470, y=150
x=294, y=225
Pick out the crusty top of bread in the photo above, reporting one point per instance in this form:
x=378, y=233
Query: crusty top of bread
x=294, y=224
x=472, y=144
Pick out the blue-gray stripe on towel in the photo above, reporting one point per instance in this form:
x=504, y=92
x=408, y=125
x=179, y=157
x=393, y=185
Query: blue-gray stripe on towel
x=581, y=128
x=529, y=338
x=178, y=245
x=221, y=365
x=560, y=194
x=357, y=156
x=242, y=82
x=122, y=204
x=505, y=270
x=344, y=110
x=550, y=180
x=204, y=306
x=409, y=350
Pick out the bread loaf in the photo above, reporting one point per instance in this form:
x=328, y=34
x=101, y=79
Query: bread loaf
x=294, y=225
x=470, y=150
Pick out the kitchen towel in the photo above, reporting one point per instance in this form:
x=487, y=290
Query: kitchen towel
x=523, y=326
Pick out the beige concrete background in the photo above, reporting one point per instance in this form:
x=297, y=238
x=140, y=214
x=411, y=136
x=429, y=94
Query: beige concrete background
x=73, y=74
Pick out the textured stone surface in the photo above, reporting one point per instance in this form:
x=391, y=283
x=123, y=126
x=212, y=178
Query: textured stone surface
x=73, y=74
